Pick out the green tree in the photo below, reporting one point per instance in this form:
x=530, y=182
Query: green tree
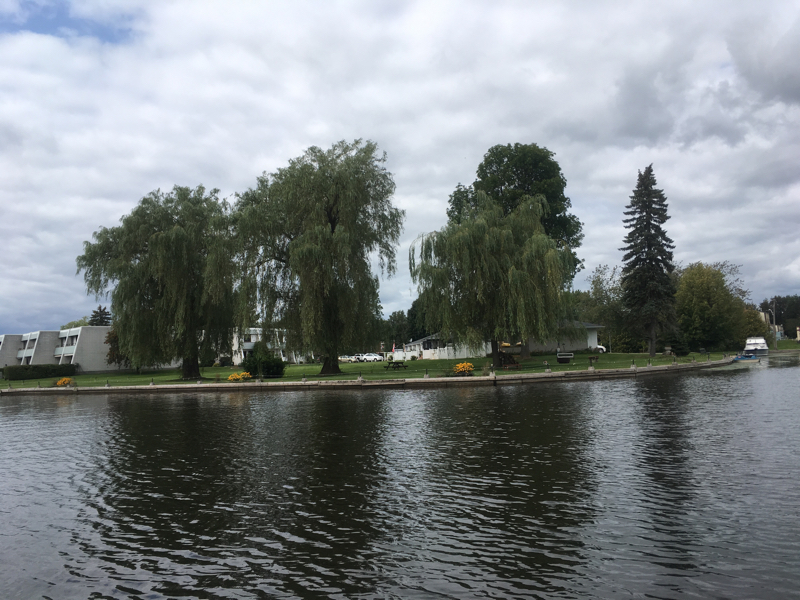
x=494, y=276
x=755, y=326
x=167, y=268
x=396, y=330
x=115, y=355
x=509, y=173
x=709, y=312
x=787, y=312
x=417, y=326
x=100, y=317
x=83, y=321
x=603, y=305
x=307, y=234
x=648, y=290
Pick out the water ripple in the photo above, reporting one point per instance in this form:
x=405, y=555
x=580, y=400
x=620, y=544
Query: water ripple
x=668, y=487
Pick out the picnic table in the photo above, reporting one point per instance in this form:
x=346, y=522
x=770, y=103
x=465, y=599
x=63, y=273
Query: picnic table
x=395, y=364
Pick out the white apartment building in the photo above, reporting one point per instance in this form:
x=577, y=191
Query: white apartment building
x=84, y=346
x=10, y=344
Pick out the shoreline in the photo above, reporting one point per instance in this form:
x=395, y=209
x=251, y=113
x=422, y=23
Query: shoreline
x=360, y=384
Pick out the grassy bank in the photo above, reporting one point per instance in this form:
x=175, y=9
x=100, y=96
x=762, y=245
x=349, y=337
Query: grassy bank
x=370, y=371
x=788, y=345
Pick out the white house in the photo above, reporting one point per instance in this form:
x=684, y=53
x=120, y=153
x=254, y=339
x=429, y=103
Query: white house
x=276, y=341
x=566, y=344
x=432, y=347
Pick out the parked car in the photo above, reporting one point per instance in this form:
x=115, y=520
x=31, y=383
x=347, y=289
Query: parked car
x=372, y=357
x=601, y=349
x=347, y=359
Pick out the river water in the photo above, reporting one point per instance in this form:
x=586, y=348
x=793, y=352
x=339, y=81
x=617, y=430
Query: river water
x=675, y=486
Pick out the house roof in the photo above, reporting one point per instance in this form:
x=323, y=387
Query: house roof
x=435, y=336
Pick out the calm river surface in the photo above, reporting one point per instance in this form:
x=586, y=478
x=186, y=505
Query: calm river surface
x=683, y=486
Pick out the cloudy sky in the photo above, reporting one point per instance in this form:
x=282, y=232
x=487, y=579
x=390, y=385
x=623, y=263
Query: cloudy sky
x=102, y=101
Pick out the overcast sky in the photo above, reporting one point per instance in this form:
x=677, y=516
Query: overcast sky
x=103, y=101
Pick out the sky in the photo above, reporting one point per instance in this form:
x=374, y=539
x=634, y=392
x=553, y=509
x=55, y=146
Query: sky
x=103, y=101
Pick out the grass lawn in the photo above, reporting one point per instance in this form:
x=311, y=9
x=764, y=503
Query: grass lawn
x=371, y=371
x=788, y=345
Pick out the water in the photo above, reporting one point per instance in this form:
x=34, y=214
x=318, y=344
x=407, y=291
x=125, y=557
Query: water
x=682, y=486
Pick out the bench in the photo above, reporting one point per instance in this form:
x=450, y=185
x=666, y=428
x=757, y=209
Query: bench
x=395, y=364
x=514, y=366
x=564, y=357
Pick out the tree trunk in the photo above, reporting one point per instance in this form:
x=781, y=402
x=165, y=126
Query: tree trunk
x=652, y=338
x=330, y=365
x=190, y=369
x=496, y=355
x=525, y=349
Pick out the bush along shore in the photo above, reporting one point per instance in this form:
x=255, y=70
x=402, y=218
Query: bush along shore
x=416, y=374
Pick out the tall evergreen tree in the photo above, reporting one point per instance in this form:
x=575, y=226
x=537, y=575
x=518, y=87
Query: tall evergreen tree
x=100, y=316
x=648, y=291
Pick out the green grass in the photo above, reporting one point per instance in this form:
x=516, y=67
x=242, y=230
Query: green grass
x=370, y=371
x=788, y=345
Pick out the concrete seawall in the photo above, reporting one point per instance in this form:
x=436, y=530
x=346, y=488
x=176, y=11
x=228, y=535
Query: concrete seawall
x=398, y=384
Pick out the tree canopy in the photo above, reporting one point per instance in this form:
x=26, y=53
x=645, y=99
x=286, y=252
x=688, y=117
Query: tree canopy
x=493, y=276
x=100, y=317
x=167, y=268
x=710, y=315
x=787, y=312
x=509, y=173
x=77, y=323
x=603, y=304
x=307, y=234
x=648, y=289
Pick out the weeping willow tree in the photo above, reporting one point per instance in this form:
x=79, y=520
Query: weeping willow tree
x=493, y=276
x=306, y=236
x=168, y=270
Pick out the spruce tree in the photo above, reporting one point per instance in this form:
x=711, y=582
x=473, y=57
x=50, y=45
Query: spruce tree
x=100, y=316
x=648, y=290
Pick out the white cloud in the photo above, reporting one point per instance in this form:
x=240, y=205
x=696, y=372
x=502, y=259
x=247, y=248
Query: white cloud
x=201, y=92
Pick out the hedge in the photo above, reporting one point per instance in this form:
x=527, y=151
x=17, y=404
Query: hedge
x=18, y=372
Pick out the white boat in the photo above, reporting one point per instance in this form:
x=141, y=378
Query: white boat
x=756, y=346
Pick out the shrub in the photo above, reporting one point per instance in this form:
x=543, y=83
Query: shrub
x=64, y=381
x=19, y=372
x=262, y=363
x=273, y=367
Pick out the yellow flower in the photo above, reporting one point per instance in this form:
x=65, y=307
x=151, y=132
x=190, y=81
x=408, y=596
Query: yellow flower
x=64, y=381
x=239, y=377
x=464, y=368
